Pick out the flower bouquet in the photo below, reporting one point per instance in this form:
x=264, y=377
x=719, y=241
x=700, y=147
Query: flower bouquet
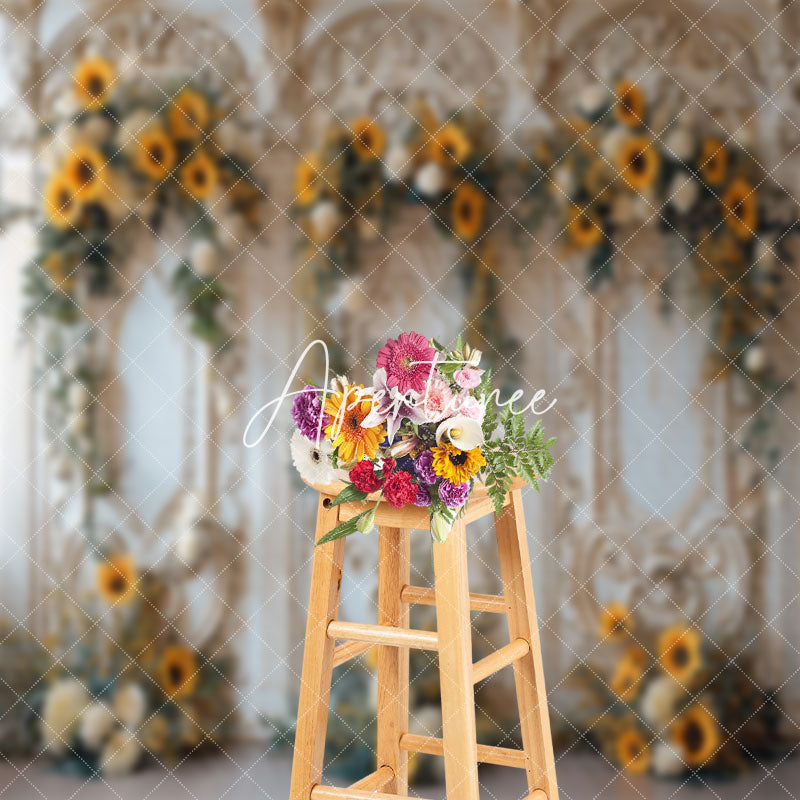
x=423, y=434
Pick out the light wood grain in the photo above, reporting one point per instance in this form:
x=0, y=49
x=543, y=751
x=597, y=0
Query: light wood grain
x=455, y=665
x=376, y=781
x=502, y=657
x=336, y=793
x=383, y=634
x=315, y=681
x=419, y=595
x=515, y=568
x=394, y=571
x=487, y=754
x=349, y=650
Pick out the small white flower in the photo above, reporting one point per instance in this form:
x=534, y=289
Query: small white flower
x=683, y=192
x=755, y=359
x=312, y=462
x=563, y=182
x=430, y=179
x=95, y=726
x=611, y=143
x=461, y=431
x=120, y=755
x=130, y=705
x=592, y=99
x=397, y=163
x=204, y=258
x=659, y=700
x=63, y=707
x=325, y=219
x=667, y=761
x=680, y=143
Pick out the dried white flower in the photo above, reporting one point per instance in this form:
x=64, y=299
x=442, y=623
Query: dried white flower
x=659, y=700
x=130, y=705
x=683, y=192
x=325, y=219
x=592, y=99
x=430, y=179
x=397, y=163
x=63, y=707
x=95, y=726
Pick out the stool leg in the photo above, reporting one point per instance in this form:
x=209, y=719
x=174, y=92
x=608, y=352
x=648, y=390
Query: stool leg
x=394, y=572
x=528, y=672
x=315, y=684
x=455, y=665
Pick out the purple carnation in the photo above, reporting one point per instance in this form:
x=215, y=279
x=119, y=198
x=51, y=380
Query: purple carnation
x=454, y=495
x=423, y=466
x=307, y=410
x=423, y=496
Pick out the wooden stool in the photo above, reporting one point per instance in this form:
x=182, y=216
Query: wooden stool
x=392, y=634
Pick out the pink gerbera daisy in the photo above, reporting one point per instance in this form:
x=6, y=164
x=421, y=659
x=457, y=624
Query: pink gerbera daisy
x=408, y=361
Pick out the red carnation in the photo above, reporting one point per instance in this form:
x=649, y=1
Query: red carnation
x=388, y=467
x=364, y=478
x=399, y=490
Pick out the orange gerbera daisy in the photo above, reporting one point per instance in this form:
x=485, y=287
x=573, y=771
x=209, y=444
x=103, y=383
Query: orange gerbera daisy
x=116, y=579
x=347, y=410
x=84, y=168
x=697, y=734
x=633, y=752
x=92, y=80
x=469, y=208
x=156, y=154
x=630, y=104
x=178, y=671
x=679, y=653
x=639, y=162
x=199, y=176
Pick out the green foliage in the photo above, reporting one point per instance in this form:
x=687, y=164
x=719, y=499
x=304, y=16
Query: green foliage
x=519, y=453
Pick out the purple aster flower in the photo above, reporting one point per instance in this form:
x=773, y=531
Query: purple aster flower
x=454, y=495
x=307, y=410
x=423, y=466
x=423, y=496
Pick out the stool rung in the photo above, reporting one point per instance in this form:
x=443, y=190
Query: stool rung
x=487, y=754
x=320, y=792
x=537, y=794
x=502, y=657
x=375, y=781
x=477, y=602
x=349, y=650
x=383, y=634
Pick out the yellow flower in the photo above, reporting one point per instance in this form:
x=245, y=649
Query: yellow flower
x=306, y=180
x=347, y=409
x=188, y=115
x=469, y=206
x=585, y=229
x=59, y=272
x=697, y=735
x=713, y=161
x=633, y=752
x=630, y=104
x=639, y=162
x=156, y=154
x=92, y=80
x=61, y=204
x=679, y=653
x=626, y=682
x=177, y=671
x=154, y=734
x=85, y=169
x=368, y=138
x=451, y=144
x=615, y=621
x=454, y=465
x=740, y=207
x=116, y=579
x=199, y=176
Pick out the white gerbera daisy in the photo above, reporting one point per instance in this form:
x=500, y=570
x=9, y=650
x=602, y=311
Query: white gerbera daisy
x=312, y=462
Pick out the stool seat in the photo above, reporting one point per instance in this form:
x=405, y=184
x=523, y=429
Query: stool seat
x=451, y=642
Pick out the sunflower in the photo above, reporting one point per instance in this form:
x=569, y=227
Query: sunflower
x=177, y=671
x=368, y=138
x=679, y=653
x=451, y=144
x=626, y=681
x=639, y=162
x=93, y=79
x=713, y=161
x=585, y=229
x=306, y=183
x=59, y=272
x=199, y=176
x=615, y=621
x=633, y=751
x=347, y=409
x=630, y=104
x=116, y=579
x=697, y=734
x=61, y=204
x=156, y=154
x=469, y=207
x=188, y=115
x=740, y=206
x=84, y=169
x=454, y=465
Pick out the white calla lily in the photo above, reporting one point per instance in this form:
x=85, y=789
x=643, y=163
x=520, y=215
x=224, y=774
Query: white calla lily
x=463, y=432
